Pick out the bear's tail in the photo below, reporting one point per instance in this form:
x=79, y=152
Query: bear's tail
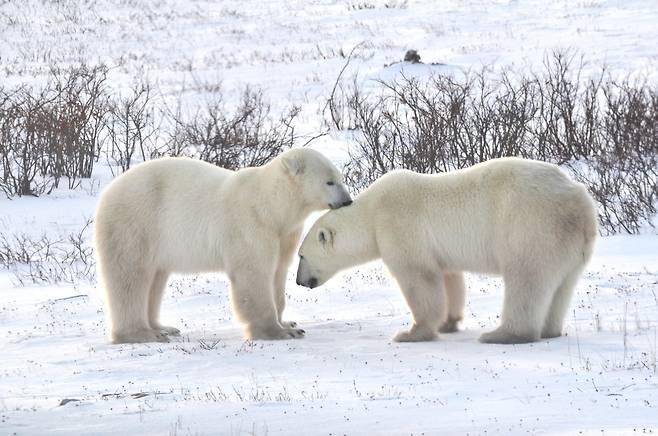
x=590, y=224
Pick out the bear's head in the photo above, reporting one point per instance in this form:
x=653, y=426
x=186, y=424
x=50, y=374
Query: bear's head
x=338, y=240
x=318, y=181
x=316, y=256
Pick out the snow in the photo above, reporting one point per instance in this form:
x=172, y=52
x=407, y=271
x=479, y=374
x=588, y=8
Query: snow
x=346, y=376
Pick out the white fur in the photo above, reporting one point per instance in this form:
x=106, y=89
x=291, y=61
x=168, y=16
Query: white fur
x=522, y=219
x=178, y=215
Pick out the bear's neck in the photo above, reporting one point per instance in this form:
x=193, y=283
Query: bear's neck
x=281, y=190
x=359, y=232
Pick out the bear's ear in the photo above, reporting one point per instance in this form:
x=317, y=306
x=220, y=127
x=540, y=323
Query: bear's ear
x=293, y=164
x=326, y=236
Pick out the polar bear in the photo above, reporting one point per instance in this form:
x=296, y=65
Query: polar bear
x=522, y=219
x=179, y=215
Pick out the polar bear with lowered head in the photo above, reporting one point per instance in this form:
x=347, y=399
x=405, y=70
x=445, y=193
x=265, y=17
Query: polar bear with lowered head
x=522, y=219
x=179, y=215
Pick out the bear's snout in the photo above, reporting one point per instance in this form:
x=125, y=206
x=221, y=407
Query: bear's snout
x=344, y=199
x=311, y=283
x=340, y=203
x=303, y=273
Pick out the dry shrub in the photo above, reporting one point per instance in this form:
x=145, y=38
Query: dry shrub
x=622, y=170
x=604, y=130
x=244, y=136
x=58, y=132
x=47, y=261
x=130, y=126
x=51, y=133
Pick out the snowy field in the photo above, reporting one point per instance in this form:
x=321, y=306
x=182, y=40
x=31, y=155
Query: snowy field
x=58, y=374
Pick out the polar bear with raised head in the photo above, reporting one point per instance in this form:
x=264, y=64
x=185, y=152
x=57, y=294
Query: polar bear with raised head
x=179, y=215
x=522, y=219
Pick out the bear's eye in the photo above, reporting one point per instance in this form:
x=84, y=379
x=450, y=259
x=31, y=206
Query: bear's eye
x=330, y=183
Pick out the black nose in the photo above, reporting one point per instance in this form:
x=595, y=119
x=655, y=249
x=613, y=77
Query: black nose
x=297, y=281
x=313, y=282
x=347, y=203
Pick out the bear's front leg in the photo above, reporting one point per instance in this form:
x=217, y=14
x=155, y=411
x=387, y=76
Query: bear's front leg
x=286, y=253
x=423, y=290
x=280, y=294
x=253, y=301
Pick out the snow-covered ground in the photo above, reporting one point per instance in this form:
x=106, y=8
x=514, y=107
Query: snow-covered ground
x=346, y=376
x=294, y=49
x=59, y=375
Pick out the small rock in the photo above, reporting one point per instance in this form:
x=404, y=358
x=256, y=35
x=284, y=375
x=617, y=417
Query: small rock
x=412, y=56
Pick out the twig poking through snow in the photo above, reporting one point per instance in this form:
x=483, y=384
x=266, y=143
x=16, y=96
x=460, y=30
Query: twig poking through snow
x=72, y=297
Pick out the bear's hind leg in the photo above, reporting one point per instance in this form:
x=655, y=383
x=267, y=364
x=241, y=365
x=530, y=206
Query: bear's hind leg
x=158, y=287
x=424, y=294
x=560, y=305
x=527, y=298
x=456, y=299
x=127, y=295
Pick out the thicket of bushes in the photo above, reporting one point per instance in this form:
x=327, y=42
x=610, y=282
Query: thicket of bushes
x=58, y=132
x=247, y=136
x=604, y=131
x=51, y=133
